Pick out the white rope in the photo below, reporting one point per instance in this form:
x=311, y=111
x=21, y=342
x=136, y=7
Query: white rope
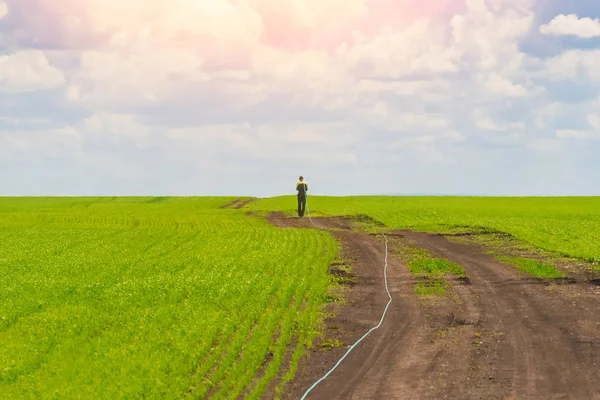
x=308, y=213
x=370, y=330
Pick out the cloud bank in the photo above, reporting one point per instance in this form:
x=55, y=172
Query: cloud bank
x=572, y=25
x=240, y=97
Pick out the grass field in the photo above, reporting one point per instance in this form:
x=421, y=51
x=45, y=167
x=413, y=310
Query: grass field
x=568, y=226
x=178, y=298
x=533, y=267
x=109, y=298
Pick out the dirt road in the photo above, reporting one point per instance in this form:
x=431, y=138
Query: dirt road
x=238, y=203
x=501, y=336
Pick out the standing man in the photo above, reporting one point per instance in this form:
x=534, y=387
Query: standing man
x=301, y=188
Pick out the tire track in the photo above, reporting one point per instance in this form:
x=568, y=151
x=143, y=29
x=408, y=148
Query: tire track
x=501, y=337
x=536, y=351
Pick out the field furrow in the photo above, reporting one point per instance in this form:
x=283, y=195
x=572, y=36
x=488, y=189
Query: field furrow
x=141, y=297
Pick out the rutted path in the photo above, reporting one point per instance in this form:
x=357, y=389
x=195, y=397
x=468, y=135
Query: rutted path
x=238, y=203
x=537, y=344
x=503, y=337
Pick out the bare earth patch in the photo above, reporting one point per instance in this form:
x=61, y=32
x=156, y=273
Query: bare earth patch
x=495, y=334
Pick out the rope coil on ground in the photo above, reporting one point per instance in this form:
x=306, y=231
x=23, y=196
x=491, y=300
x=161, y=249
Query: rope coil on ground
x=370, y=330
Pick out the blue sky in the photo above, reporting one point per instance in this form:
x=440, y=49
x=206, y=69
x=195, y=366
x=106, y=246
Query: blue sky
x=112, y=97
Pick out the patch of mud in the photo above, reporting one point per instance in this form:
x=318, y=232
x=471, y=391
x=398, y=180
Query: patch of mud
x=244, y=203
x=238, y=204
x=230, y=205
x=464, y=280
x=282, y=220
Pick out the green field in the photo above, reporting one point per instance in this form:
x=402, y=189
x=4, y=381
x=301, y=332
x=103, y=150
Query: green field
x=569, y=226
x=158, y=297
x=106, y=298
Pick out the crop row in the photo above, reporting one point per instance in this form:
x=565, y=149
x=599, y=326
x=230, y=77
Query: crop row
x=189, y=301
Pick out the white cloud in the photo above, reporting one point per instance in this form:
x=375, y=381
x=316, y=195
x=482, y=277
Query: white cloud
x=495, y=84
x=109, y=79
x=73, y=93
x=56, y=143
x=547, y=146
x=419, y=58
x=545, y=114
x=397, y=121
x=263, y=88
x=143, y=65
x=420, y=48
x=28, y=70
x=3, y=9
x=423, y=146
x=270, y=142
x=484, y=122
x=488, y=34
x=572, y=25
x=575, y=65
x=594, y=121
x=577, y=134
x=116, y=128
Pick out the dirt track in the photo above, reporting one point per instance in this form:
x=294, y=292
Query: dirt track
x=238, y=204
x=501, y=336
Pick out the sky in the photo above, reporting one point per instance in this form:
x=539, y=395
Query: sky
x=240, y=97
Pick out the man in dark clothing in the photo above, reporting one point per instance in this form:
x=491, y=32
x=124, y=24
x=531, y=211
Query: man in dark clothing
x=301, y=188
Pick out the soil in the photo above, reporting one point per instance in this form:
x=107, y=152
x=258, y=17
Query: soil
x=237, y=204
x=496, y=335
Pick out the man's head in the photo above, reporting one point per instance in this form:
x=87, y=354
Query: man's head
x=301, y=178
